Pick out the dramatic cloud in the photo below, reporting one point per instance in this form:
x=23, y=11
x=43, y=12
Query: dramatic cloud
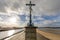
x=44, y=13
x=42, y=6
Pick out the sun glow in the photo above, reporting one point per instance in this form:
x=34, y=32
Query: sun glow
x=12, y=20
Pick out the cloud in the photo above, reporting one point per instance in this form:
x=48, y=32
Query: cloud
x=54, y=24
x=45, y=12
x=48, y=7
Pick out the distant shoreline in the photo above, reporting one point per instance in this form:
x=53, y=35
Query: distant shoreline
x=50, y=27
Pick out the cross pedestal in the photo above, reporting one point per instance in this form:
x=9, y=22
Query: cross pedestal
x=30, y=33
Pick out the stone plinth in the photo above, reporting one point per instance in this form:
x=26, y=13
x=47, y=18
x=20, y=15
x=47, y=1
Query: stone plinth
x=30, y=33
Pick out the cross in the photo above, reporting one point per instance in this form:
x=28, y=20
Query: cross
x=30, y=7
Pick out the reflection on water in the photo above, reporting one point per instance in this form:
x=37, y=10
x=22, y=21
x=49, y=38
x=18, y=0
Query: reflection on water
x=8, y=33
x=11, y=32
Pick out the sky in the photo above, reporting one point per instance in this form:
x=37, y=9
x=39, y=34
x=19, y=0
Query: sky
x=14, y=13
